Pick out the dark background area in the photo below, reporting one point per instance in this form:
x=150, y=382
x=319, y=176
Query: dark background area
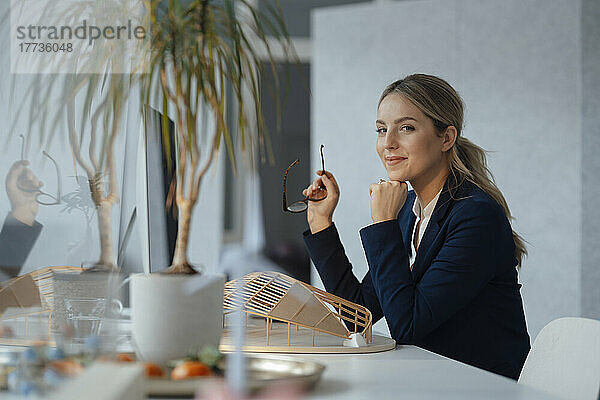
x=283, y=230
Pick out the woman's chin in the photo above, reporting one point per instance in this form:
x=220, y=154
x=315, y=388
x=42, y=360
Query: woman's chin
x=396, y=176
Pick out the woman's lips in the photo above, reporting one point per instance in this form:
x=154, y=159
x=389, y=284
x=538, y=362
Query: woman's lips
x=394, y=160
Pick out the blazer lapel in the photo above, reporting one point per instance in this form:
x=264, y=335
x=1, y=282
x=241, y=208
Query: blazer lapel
x=406, y=219
x=426, y=247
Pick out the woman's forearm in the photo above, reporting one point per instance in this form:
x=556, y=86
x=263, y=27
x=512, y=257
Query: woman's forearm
x=334, y=268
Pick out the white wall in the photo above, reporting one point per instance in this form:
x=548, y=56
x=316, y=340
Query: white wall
x=517, y=65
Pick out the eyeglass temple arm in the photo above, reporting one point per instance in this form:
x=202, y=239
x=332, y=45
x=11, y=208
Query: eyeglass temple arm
x=322, y=159
x=284, y=199
x=22, y=146
x=285, y=183
x=56, y=200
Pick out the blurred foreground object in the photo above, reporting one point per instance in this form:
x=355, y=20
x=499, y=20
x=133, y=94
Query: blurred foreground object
x=19, y=292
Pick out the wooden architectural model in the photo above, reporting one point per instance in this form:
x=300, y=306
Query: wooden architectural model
x=30, y=298
x=278, y=297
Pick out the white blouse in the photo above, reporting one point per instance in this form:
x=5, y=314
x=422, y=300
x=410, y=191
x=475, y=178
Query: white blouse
x=424, y=217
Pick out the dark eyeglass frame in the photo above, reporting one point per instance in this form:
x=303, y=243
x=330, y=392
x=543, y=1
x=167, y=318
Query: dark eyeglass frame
x=304, y=201
x=52, y=200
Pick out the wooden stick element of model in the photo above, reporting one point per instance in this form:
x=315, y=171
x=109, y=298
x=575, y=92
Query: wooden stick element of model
x=276, y=296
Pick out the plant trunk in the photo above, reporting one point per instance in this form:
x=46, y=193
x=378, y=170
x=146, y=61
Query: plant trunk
x=107, y=254
x=180, y=264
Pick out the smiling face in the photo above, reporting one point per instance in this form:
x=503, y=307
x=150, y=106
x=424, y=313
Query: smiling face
x=407, y=141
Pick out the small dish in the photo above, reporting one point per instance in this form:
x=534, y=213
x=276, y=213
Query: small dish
x=261, y=371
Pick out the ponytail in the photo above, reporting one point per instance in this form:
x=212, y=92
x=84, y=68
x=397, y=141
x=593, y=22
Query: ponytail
x=468, y=162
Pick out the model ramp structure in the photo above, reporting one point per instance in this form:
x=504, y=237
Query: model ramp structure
x=278, y=297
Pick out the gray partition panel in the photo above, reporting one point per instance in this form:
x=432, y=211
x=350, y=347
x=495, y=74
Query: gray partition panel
x=590, y=166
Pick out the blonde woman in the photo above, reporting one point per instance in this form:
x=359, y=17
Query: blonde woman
x=443, y=257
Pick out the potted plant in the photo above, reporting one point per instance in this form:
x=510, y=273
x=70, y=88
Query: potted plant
x=200, y=48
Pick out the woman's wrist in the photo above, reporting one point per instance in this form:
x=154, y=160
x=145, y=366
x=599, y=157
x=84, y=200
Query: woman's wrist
x=319, y=225
x=24, y=215
x=377, y=220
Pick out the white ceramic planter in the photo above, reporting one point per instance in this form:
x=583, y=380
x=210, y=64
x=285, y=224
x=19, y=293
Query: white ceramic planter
x=170, y=321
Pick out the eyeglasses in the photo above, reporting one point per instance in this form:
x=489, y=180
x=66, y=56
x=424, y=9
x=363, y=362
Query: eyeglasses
x=43, y=198
x=301, y=205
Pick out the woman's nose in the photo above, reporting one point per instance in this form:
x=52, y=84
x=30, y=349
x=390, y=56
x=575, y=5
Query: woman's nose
x=391, y=140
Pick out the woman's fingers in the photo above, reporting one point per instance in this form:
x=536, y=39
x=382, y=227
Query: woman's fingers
x=32, y=179
x=323, y=185
x=326, y=182
x=328, y=175
x=387, y=199
x=311, y=190
x=316, y=185
x=329, y=181
x=15, y=171
x=372, y=187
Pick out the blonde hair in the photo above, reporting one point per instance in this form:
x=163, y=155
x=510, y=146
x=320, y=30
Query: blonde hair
x=440, y=102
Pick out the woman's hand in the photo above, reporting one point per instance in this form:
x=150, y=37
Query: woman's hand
x=320, y=213
x=387, y=198
x=23, y=202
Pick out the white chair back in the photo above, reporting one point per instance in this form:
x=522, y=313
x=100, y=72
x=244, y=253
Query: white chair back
x=565, y=359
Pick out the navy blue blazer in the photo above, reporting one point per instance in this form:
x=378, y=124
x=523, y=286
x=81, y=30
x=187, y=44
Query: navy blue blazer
x=16, y=241
x=460, y=300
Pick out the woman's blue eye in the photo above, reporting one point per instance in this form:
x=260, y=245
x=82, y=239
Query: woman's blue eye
x=381, y=130
x=407, y=128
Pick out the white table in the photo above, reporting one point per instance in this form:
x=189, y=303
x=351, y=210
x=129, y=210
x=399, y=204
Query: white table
x=410, y=372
